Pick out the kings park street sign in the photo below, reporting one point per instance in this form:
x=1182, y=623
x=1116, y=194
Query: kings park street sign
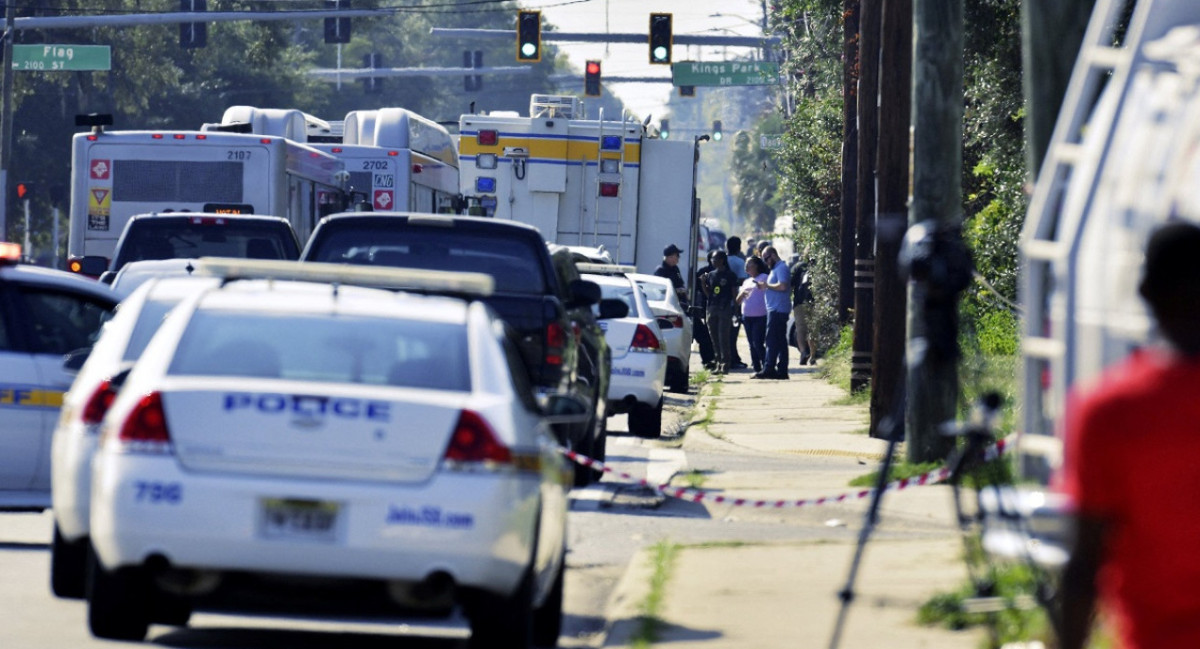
x=61, y=57
x=724, y=73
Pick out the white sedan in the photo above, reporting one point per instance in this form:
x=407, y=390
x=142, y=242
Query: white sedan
x=664, y=303
x=639, y=358
x=289, y=444
x=121, y=342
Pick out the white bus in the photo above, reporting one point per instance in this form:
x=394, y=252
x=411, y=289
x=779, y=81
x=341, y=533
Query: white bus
x=396, y=159
x=117, y=174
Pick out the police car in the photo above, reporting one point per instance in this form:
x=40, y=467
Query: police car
x=664, y=303
x=121, y=342
x=292, y=444
x=639, y=358
x=44, y=315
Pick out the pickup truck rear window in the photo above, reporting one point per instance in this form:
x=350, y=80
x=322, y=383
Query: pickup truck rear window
x=515, y=264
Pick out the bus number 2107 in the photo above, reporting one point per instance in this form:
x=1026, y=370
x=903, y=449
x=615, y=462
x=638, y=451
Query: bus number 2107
x=239, y=155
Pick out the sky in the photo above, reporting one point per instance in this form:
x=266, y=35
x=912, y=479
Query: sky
x=737, y=18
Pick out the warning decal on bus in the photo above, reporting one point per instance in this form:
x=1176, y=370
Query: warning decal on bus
x=99, y=207
x=100, y=169
x=383, y=200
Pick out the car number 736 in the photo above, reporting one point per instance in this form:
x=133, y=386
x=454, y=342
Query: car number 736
x=170, y=493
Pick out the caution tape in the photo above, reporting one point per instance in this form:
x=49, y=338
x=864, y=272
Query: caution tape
x=692, y=494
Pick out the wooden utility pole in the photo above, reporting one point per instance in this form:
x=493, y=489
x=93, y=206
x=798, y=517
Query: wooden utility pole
x=1051, y=33
x=849, y=159
x=864, y=242
x=937, y=197
x=895, y=110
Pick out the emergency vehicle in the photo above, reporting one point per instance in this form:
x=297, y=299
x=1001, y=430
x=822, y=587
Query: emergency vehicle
x=117, y=174
x=1124, y=158
x=397, y=160
x=582, y=182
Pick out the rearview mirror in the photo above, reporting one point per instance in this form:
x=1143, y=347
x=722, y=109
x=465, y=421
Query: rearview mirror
x=564, y=408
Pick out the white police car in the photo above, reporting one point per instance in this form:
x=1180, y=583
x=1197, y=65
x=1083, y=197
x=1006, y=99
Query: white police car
x=664, y=303
x=639, y=358
x=289, y=444
x=121, y=342
x=44, y=315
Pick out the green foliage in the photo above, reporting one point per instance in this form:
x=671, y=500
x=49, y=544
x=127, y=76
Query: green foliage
x=898, y=471
x=1014, y=623
x=836, y=365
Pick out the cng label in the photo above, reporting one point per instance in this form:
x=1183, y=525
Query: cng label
x=383, y=199
x=100, y=169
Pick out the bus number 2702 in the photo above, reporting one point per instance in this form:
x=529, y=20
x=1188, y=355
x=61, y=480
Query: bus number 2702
x=238, y=155
x=374, y=165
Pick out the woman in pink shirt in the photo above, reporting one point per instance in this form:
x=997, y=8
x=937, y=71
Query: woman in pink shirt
x=754, y=311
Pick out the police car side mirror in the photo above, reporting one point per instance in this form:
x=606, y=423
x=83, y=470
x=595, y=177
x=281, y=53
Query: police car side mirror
x=611, y=308
x=564, y=409
x=93, y=265
x=107, y=277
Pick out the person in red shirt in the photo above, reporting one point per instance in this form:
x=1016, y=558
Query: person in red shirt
x=1132, y=444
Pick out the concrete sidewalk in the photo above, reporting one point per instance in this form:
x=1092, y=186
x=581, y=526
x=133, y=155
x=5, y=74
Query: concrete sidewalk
x=763, y=596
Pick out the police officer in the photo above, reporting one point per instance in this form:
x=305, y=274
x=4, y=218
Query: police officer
x=670, y=270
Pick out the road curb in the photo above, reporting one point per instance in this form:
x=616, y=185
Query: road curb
x=622, y=613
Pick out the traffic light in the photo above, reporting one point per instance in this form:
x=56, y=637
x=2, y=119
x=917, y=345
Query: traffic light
x=24, y=190
x=192, y=35
x=337, y=30
x=660, y=38
x=372, y=85
x=529, y=36
x=716, y=133
x=591, y=79
x=664, y=129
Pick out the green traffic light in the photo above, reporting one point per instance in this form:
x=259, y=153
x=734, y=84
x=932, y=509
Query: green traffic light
x=664, y=134
x=717, y=136
x=660, y=53
x=529, y=50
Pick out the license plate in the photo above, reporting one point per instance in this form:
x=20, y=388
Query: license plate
x=292, y=519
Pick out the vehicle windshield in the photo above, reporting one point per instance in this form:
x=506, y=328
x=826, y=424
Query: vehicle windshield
x=153, y=312
x=654, y=291
x=339, y=349
x=174, y=238
x=513, y=263
x=625, y=294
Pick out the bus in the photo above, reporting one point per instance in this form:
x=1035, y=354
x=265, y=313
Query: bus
x=396, y=159
x=117, y=174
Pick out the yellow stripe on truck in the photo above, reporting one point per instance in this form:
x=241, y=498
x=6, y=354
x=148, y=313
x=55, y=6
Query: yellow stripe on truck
x=549, y=148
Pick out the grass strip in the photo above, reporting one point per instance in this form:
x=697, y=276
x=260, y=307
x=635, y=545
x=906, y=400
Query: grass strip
x=663, y=555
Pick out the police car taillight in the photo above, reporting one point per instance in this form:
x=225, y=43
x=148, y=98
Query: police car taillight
x=475, y=442
x=556, y=342
x=10, y=253
x=101, y=400
x=676, y=321
x=644, y=340
x=146, y=423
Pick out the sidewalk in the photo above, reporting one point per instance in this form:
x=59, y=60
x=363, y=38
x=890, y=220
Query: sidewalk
x=777, y=595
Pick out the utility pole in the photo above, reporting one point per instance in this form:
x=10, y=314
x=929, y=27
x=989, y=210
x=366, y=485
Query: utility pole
x=864, y=226
x=6, y=117
x=937, y=197
x=849, y=159
x=1051, y=33
x=895, y=111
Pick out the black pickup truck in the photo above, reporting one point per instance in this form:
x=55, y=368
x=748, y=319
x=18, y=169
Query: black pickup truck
x=551, y=316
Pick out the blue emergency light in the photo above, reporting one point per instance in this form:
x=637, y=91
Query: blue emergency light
x=485, y=185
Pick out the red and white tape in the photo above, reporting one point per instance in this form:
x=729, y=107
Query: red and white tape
x=699, y=495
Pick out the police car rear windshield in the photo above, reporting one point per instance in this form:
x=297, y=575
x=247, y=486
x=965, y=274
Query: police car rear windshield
x=343, y=349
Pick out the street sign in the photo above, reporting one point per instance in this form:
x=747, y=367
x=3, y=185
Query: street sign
x=766, y=141
x=724, y=73
x=61, y=57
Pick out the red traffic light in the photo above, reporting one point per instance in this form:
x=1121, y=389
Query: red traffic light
x=24, y=189
x=591, y=79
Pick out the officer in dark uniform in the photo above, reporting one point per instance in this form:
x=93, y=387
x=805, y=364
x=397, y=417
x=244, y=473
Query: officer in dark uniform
x=670, y=270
